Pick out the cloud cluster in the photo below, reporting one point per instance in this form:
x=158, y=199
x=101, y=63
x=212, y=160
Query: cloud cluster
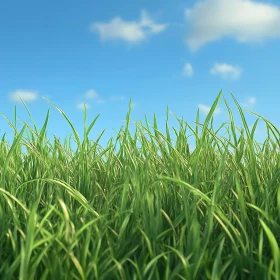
x=32, y=96
x=244, y=20
x=93, y=96
x=209, y=20
x=26, y=96
x=224, y=70
x=130, y=31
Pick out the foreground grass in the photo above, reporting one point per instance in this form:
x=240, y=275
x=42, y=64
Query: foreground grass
x=155, y=212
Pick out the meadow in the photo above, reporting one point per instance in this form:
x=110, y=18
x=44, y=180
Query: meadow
x=155, y=212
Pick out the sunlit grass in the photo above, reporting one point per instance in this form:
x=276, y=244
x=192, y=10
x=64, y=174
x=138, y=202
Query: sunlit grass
x=155, y=212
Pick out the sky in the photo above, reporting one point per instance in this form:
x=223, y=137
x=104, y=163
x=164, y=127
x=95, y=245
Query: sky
x=179, y=54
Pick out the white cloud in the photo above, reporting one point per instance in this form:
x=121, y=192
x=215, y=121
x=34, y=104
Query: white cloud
x=188, y=70
x=244, y=20
x=226, y=71
x=80, y=106
x=249, y=102
x=131, y=31
x=206, y=109
x=26, y=96
x=91, y=94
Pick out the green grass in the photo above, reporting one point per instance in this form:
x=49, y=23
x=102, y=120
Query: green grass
x=155, y=212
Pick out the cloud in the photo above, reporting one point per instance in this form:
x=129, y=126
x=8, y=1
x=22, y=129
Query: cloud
x=91, y=94
x=188, y=70
x=80, y=106
x=249, y=102
x=226, y=71
x=26, y=96
x=130, y=31
x=244, y=20
x=206, y=109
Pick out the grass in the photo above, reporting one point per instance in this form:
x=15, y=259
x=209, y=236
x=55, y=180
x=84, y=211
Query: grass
x=155, y=212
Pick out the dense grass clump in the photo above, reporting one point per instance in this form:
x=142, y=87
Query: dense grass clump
x=155, y=212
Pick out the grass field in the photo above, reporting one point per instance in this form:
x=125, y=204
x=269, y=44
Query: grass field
x=155, y=212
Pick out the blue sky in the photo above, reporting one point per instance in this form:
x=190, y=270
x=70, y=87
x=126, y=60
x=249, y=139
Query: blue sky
x=159, y=53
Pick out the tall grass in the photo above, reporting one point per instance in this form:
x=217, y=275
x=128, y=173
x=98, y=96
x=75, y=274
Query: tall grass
x=211, y=213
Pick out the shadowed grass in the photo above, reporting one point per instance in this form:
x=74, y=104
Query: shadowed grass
x=155, y=212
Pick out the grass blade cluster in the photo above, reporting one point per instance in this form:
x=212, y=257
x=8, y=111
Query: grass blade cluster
x=160, y=211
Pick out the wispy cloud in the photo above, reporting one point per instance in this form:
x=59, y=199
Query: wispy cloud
x=91, y=94
x=26, y=96
x=188, y=70
x=244, y=20
x=95, y=98
x=249, y=102
x=130, y=31
x=206, y=109
x=226, y=71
